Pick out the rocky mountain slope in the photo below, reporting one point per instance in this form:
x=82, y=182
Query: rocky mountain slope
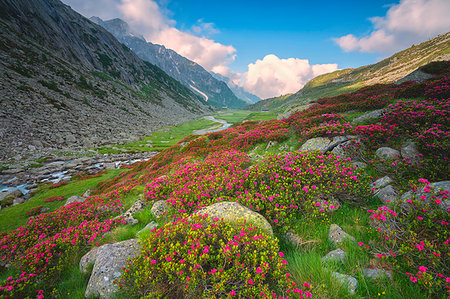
x=67, y=82
x=189, y=73
x=389, y=70
x=237, y=90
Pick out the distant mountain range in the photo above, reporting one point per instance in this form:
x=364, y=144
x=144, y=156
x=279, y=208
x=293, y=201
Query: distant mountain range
x=237, y=90
x=67, y=82
x=189, y=73
x=388, y=70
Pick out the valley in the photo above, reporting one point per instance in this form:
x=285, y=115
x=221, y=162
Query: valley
x=130, y=171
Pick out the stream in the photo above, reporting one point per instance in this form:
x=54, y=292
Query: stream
x=222, y=125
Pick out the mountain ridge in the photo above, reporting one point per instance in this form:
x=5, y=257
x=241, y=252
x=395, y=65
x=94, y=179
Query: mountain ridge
x=58, y=65
x=187, y=72
x=388, y=70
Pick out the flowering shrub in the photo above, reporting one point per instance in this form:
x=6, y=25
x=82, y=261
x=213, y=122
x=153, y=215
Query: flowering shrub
x=40, y=249
x=34, y=211
x=281, y=187
x=190, y=259
x=54, y=198
x=56, y=185
x=416, y=237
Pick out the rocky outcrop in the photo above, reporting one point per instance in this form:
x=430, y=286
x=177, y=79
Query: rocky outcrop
x=337, y=255
x=159, y=208
x=109, y=261
x=233, y=212
x=69, y=83
x=189, y=73
x=387, y=153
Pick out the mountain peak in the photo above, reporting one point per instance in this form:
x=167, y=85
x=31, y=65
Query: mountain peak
x=117, y=27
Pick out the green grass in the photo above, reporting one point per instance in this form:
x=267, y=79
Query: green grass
x=15, y=216
x=304, y=263
x=170, y=136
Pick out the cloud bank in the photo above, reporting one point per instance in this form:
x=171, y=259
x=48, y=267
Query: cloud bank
x=269, y=77
x=273, y=76
x=408, y=22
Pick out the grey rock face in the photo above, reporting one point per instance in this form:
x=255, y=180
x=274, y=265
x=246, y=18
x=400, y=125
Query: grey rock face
x=110, y=259
x=82, y=88
x=377, y=273
x=87, y=193
x=159, y=208
x=387, y=153
x=189, y=73
x=74, y=198
x=313, y=144
x=387, y=194
x=347, y=280
x=337, y=235
x=359, y=165
x=335, y=256
x=88, y=259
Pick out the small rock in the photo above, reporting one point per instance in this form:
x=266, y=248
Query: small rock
x=377, y=273
x=382, y=182
x=337, y=235
x=74, y=198
x=347, y=280
x=410, y=151
x=271, y=144
x=294, y=239
x=110, y=165
x=45, y=209
x=387, y=153
x=149, y=226
x=387, y=194
x=18, y=201
x=159, y=208
x=359, y=165
x=87, y=193
x=370, y=115
x=110, y=259
x=335, y=255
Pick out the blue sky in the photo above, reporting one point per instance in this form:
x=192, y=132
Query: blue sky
x=272, y=48
x=302, y=29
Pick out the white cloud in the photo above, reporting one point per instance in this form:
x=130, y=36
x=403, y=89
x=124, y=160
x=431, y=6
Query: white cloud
x=268, y=77
x=273, y=76
x=147, y=18
x=410, y=21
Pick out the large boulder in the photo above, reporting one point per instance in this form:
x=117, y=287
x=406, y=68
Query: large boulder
x=10, y=195
x=382, y=182
x=318, y=143
x=109, y=261
x=387, y=194
x=337, y=235
x=234, y=212
x=387, y=153
x=410, y=151
x=74, y=198
x=159, y=208
x=437, y=187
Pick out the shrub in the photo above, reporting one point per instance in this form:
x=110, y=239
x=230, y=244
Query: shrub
x=416, y=237
x=54, y=198
x=190, y=259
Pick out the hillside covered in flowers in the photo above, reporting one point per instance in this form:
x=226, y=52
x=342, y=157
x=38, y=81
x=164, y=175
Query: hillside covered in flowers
x=318, y=167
